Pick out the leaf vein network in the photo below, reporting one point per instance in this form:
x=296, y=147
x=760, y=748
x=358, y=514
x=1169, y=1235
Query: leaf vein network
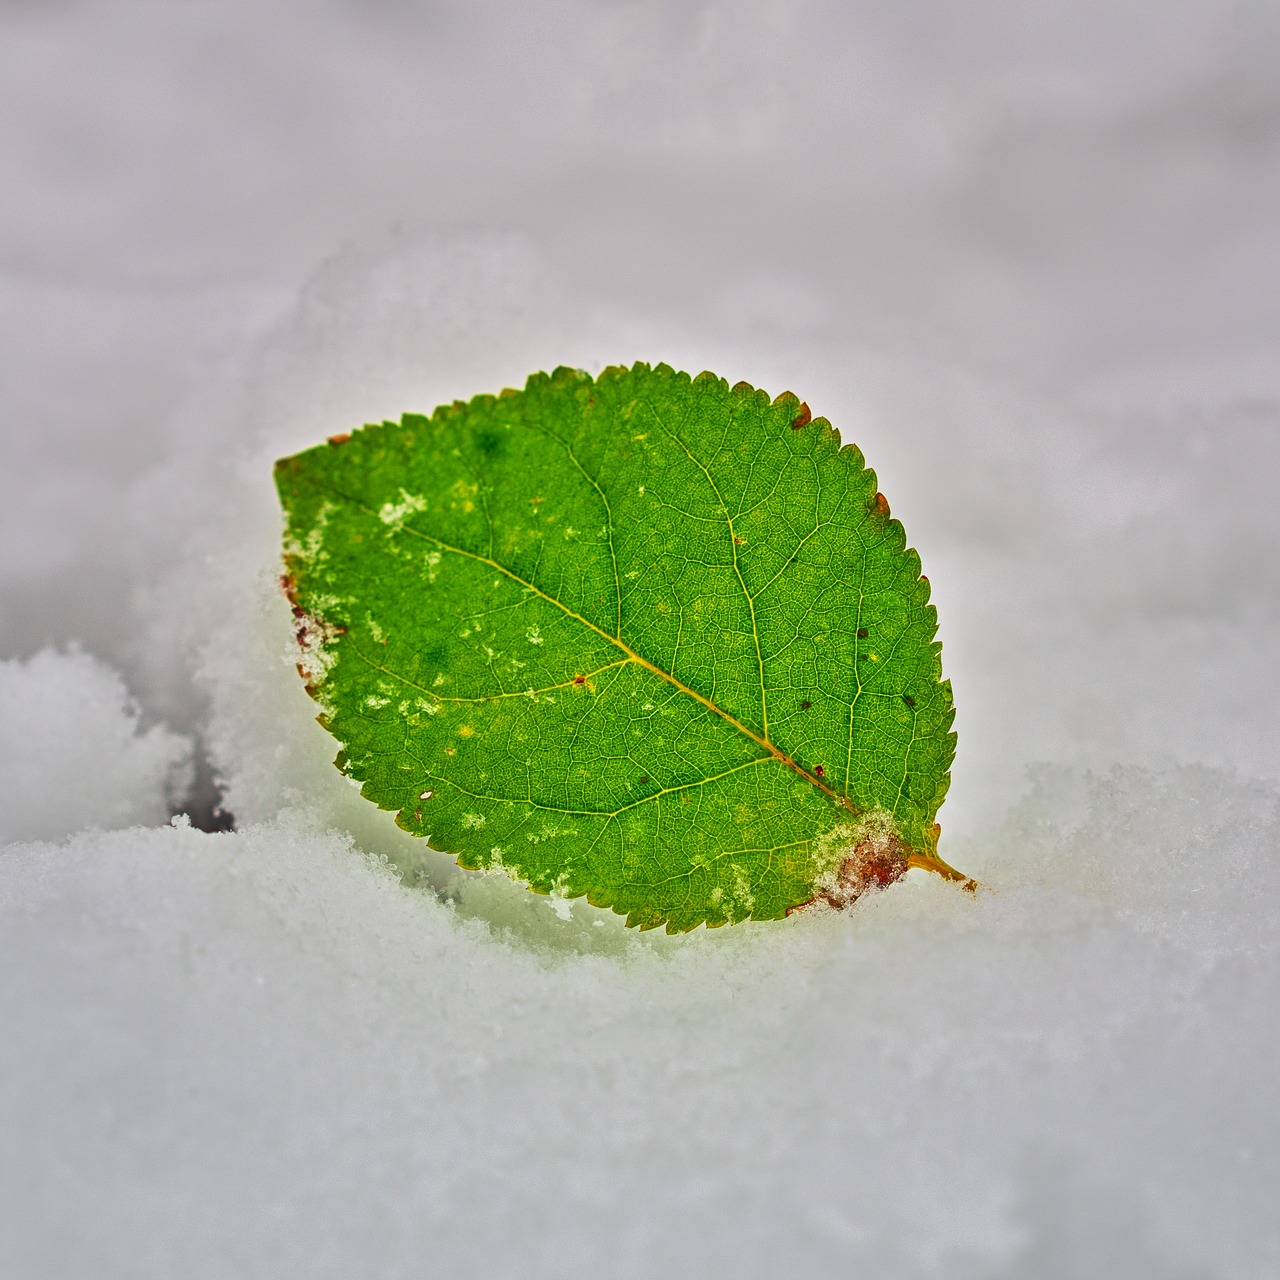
x=608, y=512
x=733, y=550
x=604, y=813
x=761, y=741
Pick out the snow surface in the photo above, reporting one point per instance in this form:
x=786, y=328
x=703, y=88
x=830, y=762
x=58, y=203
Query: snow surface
x=73, y=755
x=1027, y=256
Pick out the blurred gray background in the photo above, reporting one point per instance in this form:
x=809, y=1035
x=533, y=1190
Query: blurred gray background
x=1028, y=255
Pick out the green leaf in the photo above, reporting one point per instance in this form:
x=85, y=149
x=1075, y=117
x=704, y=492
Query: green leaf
x=649, y=639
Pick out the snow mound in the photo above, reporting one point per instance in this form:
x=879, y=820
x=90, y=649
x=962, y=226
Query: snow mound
x=74, y=754
x=262, y=1053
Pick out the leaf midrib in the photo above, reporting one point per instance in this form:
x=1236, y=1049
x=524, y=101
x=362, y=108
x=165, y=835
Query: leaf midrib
x=761, y=741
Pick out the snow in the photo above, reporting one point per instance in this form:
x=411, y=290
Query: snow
x=1025, y=256
x=73, y=754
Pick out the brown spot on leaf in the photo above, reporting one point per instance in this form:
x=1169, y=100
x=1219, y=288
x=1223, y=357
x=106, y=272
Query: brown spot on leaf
x=739, y=542
x=579, y=679
x=803, y=417
x=341, y=438
x=881, y=504
x=862, y=633
x=908, y=699
x=819, y=770
x=805, y=705
x=875, y=863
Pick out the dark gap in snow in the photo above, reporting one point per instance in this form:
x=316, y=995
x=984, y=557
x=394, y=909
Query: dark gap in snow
x=203, y=801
